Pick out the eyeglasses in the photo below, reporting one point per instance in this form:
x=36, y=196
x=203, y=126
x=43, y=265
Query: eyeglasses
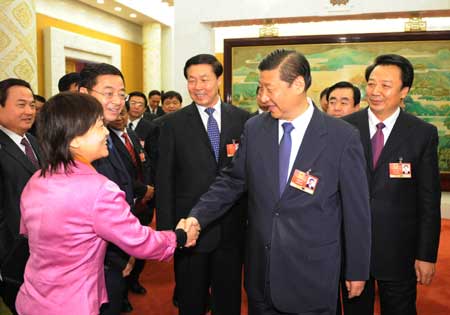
x=109, y=95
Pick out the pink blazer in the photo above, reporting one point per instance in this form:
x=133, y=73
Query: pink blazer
x=68, y=220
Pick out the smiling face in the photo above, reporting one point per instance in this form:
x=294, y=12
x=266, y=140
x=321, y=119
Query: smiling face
x=384, y=90
x=91, y=145
x=19, y=110
x=171, y=105
x=203, y=85
x=110, y=92
x=283, y=100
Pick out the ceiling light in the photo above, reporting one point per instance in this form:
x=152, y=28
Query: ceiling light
x=118, y=9
x=133, y=15
x=100, y=1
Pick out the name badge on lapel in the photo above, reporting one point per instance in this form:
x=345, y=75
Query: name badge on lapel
x=304, y=181
x=142, y=143
x=232, y=148
x=142, y=156
x=400, y=169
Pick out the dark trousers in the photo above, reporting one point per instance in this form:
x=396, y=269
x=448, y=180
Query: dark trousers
x=396, y=298
x=266, y=307
x=219, y=271
x=115, y=286
x=8, y=293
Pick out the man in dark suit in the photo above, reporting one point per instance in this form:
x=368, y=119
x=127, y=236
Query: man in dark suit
x=193, y=145
x=343, y=99
x=19, y=156
x=105, y=82
x=294, y=240
x=138, y=165
x=147, y=131
x=154, y=99
x=405, y=209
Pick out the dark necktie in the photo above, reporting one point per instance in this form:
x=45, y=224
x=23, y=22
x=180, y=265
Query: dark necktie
x=377, y=143
x=284, y=154
x=129, y=147
x=29, y=152
x=130, y=125
x=213, y=132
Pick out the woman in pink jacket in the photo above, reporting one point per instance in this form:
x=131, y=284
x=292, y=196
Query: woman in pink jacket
x=70, y=212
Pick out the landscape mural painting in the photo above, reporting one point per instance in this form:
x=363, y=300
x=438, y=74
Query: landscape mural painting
x=346, y=60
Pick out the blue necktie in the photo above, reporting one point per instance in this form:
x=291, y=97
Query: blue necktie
x=213, y=132
x=284, y=154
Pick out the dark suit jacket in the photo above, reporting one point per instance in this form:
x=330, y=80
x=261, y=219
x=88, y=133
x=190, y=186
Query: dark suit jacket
x=114, y=169
x=187, y=167
x=140, y=173
x=159, y=111
x=15, y=171
x=405, y=212
x=294, y=241
x=147, y=132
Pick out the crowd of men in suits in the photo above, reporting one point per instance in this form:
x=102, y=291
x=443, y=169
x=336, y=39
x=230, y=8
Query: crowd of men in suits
x=306, y=200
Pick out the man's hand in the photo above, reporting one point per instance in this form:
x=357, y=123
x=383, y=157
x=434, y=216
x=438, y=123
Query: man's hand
x=148, y=194
x=424, y=271
x=130, y=265
x=354, y=288
x=192, y=229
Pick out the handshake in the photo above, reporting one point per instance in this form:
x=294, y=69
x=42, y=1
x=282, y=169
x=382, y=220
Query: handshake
x=192, y=228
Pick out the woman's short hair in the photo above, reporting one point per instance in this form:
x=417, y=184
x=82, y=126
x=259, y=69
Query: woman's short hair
x=64, y=117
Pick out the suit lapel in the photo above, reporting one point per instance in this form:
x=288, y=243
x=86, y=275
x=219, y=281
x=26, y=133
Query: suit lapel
x=402, y=128
x=195, y=123
x=269, y=152
x=313, y=144
x=11, y=148
x=226, y=124
x=363, y=127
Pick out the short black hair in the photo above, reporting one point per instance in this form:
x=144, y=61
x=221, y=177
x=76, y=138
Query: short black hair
x=6, y=84
x=406, y=68
x=91, y=71
x=140, y=94
x=64, y=117
x=171, y=94
x=346, y=85
x=39, y=98
x=204, y=59
x=324, y=93
x=292, y=65
x=154, y=92
x=67, y=80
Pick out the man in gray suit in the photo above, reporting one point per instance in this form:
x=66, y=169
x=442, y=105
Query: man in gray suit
x=294, y=239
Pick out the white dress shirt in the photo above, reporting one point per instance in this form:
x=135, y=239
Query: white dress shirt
x=388, y=123
x=17, y=139
x=300, y=124
x=217, y=114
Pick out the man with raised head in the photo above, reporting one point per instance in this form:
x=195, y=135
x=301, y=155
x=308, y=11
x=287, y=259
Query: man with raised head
x=405, y=207
x=195, y=143
x=343, y=99
x=294, y=239
x=19, y=159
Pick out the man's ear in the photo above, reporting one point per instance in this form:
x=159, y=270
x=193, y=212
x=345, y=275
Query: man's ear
x=83, y=90
x=299, y=84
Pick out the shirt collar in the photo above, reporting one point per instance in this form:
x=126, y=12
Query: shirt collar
x=303, y=120
x=388, y=122
x=14, y=136
x=216, y=106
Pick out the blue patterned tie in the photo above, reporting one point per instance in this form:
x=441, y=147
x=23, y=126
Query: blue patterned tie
x=213, y=132
x=284, y=154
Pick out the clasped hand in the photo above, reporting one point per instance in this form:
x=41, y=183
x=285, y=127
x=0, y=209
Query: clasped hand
x=192, y=229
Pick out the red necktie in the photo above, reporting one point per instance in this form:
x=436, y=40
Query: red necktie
x=29, y=152
x=377, y=143
x=130, y=148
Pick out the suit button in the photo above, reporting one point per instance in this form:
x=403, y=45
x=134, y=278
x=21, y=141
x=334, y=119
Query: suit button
x=267, y=246
x=277, y=214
